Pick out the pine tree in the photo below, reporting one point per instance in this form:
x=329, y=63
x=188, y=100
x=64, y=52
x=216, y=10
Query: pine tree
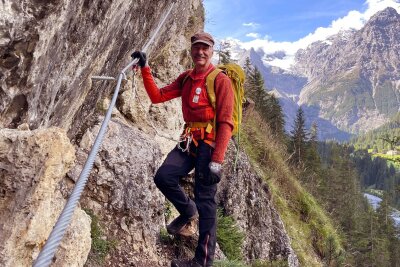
x=372, y=239
x=299, y=137
x=276, y=116
x=256, y=89
x=248, y=67
x=224, y=54
x=394, y=247
x=266, y=104
x=314, y=133
x=312, y=173
x=248, y=70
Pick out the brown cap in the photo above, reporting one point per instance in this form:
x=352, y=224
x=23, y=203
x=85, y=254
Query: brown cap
x=202, y=37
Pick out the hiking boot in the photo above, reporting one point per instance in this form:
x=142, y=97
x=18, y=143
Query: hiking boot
x=178, y=225
x=185, y=263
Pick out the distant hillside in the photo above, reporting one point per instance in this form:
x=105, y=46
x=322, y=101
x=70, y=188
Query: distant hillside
x=348, y=84
x=285, y=85
x=375, y=138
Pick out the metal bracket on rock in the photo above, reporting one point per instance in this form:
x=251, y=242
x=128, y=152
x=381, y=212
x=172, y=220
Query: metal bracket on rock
x=134, y=62
x=102, y=78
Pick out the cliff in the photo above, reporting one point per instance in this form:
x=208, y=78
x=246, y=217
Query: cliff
x=50, y=112
x=354, y=76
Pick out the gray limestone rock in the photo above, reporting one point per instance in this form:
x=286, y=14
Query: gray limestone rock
x=32, y=166
x=121, y=191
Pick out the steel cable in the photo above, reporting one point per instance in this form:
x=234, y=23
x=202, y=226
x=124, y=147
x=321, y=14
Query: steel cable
x=47, y=253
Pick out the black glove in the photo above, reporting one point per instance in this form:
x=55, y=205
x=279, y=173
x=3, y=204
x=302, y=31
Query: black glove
x=141, y=56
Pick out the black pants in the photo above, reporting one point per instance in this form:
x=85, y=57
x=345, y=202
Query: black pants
x=178, y=164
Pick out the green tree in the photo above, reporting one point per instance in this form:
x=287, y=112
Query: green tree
x=223, y=51
x=314, y=133
x=312, y=170
x=248, y=67
x=299, y=138
x=385, y=137
x=392, y=141
x=255, y=88
x=266, y=104
x=275, y=115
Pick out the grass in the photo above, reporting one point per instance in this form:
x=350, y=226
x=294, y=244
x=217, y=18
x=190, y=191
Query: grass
x=313, y=235
x=230, y=263
x=101, y=247
x=168, y=212
x=229, y=237
x=165, y=238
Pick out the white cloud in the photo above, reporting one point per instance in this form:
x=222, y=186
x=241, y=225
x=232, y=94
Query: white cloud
x=353, y=20
x=251, y=24
x=253, y=35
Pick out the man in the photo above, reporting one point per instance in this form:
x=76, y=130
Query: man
x=202, y=146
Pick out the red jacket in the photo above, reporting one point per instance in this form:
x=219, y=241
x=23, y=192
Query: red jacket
x=198, y=110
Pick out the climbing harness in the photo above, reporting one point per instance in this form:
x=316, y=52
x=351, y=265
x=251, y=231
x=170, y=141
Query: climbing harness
x=193, y=132
x=47, y=253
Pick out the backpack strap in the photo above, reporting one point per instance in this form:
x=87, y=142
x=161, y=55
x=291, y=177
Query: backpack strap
x=210, y=84
x=186, y=77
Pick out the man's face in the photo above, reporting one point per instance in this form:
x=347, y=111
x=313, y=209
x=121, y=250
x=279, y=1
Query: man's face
x=201, y=54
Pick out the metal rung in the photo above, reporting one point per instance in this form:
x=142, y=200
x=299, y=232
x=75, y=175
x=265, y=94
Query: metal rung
x=102, y=78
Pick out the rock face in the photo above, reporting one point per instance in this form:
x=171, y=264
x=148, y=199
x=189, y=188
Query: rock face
x=122, y=193
x=32, y=164
x=354, y=78
x=245, y=196
x=49, y=51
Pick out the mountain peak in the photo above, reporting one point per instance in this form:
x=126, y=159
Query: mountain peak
x=351, y=66
x=385, y=16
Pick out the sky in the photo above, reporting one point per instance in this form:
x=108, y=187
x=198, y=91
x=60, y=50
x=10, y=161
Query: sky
x=283, y=25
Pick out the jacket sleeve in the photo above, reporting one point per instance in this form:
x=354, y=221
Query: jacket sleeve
x=224, y=108
x=163, y=94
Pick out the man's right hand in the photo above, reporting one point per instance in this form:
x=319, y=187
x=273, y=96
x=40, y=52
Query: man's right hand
x=141, y=56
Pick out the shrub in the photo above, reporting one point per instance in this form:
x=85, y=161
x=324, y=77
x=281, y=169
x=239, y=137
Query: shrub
x=229, y=237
